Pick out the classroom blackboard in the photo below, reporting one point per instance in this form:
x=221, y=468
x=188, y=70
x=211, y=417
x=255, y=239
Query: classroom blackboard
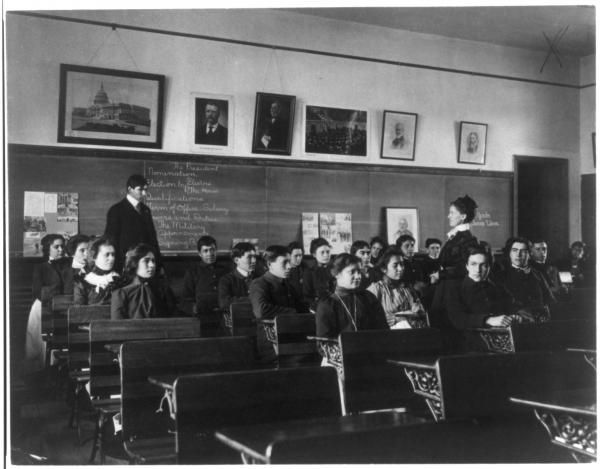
x=229, y=197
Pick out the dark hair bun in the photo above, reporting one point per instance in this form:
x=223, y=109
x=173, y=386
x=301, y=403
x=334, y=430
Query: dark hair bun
x=466, y=205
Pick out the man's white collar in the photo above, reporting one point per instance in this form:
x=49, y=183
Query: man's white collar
x=456, y=229
x=133, y=201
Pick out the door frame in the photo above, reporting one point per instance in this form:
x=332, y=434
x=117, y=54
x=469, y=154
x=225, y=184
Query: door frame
x=534, y=159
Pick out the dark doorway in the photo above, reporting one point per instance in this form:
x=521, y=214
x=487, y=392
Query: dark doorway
x=588, y=211
x=542, y=202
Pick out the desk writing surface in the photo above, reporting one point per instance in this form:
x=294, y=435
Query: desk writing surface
x=257, y=438
x=580, y=401
x=417, y=362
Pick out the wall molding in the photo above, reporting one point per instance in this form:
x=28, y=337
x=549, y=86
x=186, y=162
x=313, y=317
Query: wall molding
x=291, y=49
x=23, y=150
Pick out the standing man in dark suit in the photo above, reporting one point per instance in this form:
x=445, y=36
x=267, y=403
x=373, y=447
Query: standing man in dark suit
x=129, y=222
x=211, y=132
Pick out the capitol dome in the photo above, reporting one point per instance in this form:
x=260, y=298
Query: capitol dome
x=101, y=96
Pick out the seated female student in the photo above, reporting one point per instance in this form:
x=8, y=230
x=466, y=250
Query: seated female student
x=317, y=282
x=476, y=301
x=144, y=296
x=77, y=248
x=297, y=272
x=378, y=247
x=348, y=308
x=95, y=286
x=413, y=272
x=395, y=297
x=233, y=286
x=362, y=250
x=271, y=295
x=47, y=282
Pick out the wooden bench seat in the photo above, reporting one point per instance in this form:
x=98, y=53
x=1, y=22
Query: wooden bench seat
x=551, y=335
x=207, y=402
x=105, y=374
x=140, y=400
x=480, y=385
x=367, y=380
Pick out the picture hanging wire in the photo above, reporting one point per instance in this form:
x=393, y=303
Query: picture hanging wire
x=273, y=58
x=110, y=33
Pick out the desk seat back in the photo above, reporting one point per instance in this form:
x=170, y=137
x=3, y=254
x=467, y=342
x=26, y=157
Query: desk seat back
x=370, y=382
x=105, y=377
x=207, y=402
x=481, y=384
x=293, y=347
x=140, y=360
x=207, y=309
x=59, y=307
x=78, y=340
x=554, y=335
x=243, y=321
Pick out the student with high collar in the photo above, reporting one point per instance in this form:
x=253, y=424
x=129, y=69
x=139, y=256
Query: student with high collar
x=348, y=308
x=529, y=291
x=399, y=302
x=318, y=282
x=539, y=262
x=460, y=214
x=271, y=295
x=95, y=285
x=362, y=250
x=74, y=267
x=144, y=296
x=476, y=301
x=129, y=222
x=203, y=277
x=296, y=278
x=378, y=247
x=234, y=286
x=47, y=282
x=413, y=272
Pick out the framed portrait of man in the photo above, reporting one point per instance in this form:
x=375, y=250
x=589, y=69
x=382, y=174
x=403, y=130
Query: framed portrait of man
x=402, y=221
x=212, y=122
x=472, y=142
x=398, y=135
x=273, y=124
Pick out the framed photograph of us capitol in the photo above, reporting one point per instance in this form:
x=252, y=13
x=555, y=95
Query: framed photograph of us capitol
x=398, y=135
x=100, y=106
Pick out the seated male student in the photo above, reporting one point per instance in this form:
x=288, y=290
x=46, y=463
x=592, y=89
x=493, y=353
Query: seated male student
x=539, y=258
x=271, y=295
x=431, y=263
x=234, y=286
x=413, y=272
x=203, y=277
x=529, y=291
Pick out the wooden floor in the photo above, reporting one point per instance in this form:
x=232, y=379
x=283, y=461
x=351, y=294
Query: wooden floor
x=39, y=429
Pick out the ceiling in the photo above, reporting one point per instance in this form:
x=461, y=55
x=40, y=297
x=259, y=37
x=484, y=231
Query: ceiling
x=522, y=27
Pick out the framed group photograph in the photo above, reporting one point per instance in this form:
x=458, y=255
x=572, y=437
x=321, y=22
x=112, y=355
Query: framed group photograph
x=212, y=122
x=472, y=143
x=273, y=124
x=402, y=221
x=100, y=106
x=335, y=131
x=398, y=135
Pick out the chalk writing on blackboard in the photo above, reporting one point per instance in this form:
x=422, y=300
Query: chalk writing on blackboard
x=484, y=218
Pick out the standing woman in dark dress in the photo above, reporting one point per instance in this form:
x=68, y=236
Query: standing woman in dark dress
x=454, y=251
x=47, y=282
